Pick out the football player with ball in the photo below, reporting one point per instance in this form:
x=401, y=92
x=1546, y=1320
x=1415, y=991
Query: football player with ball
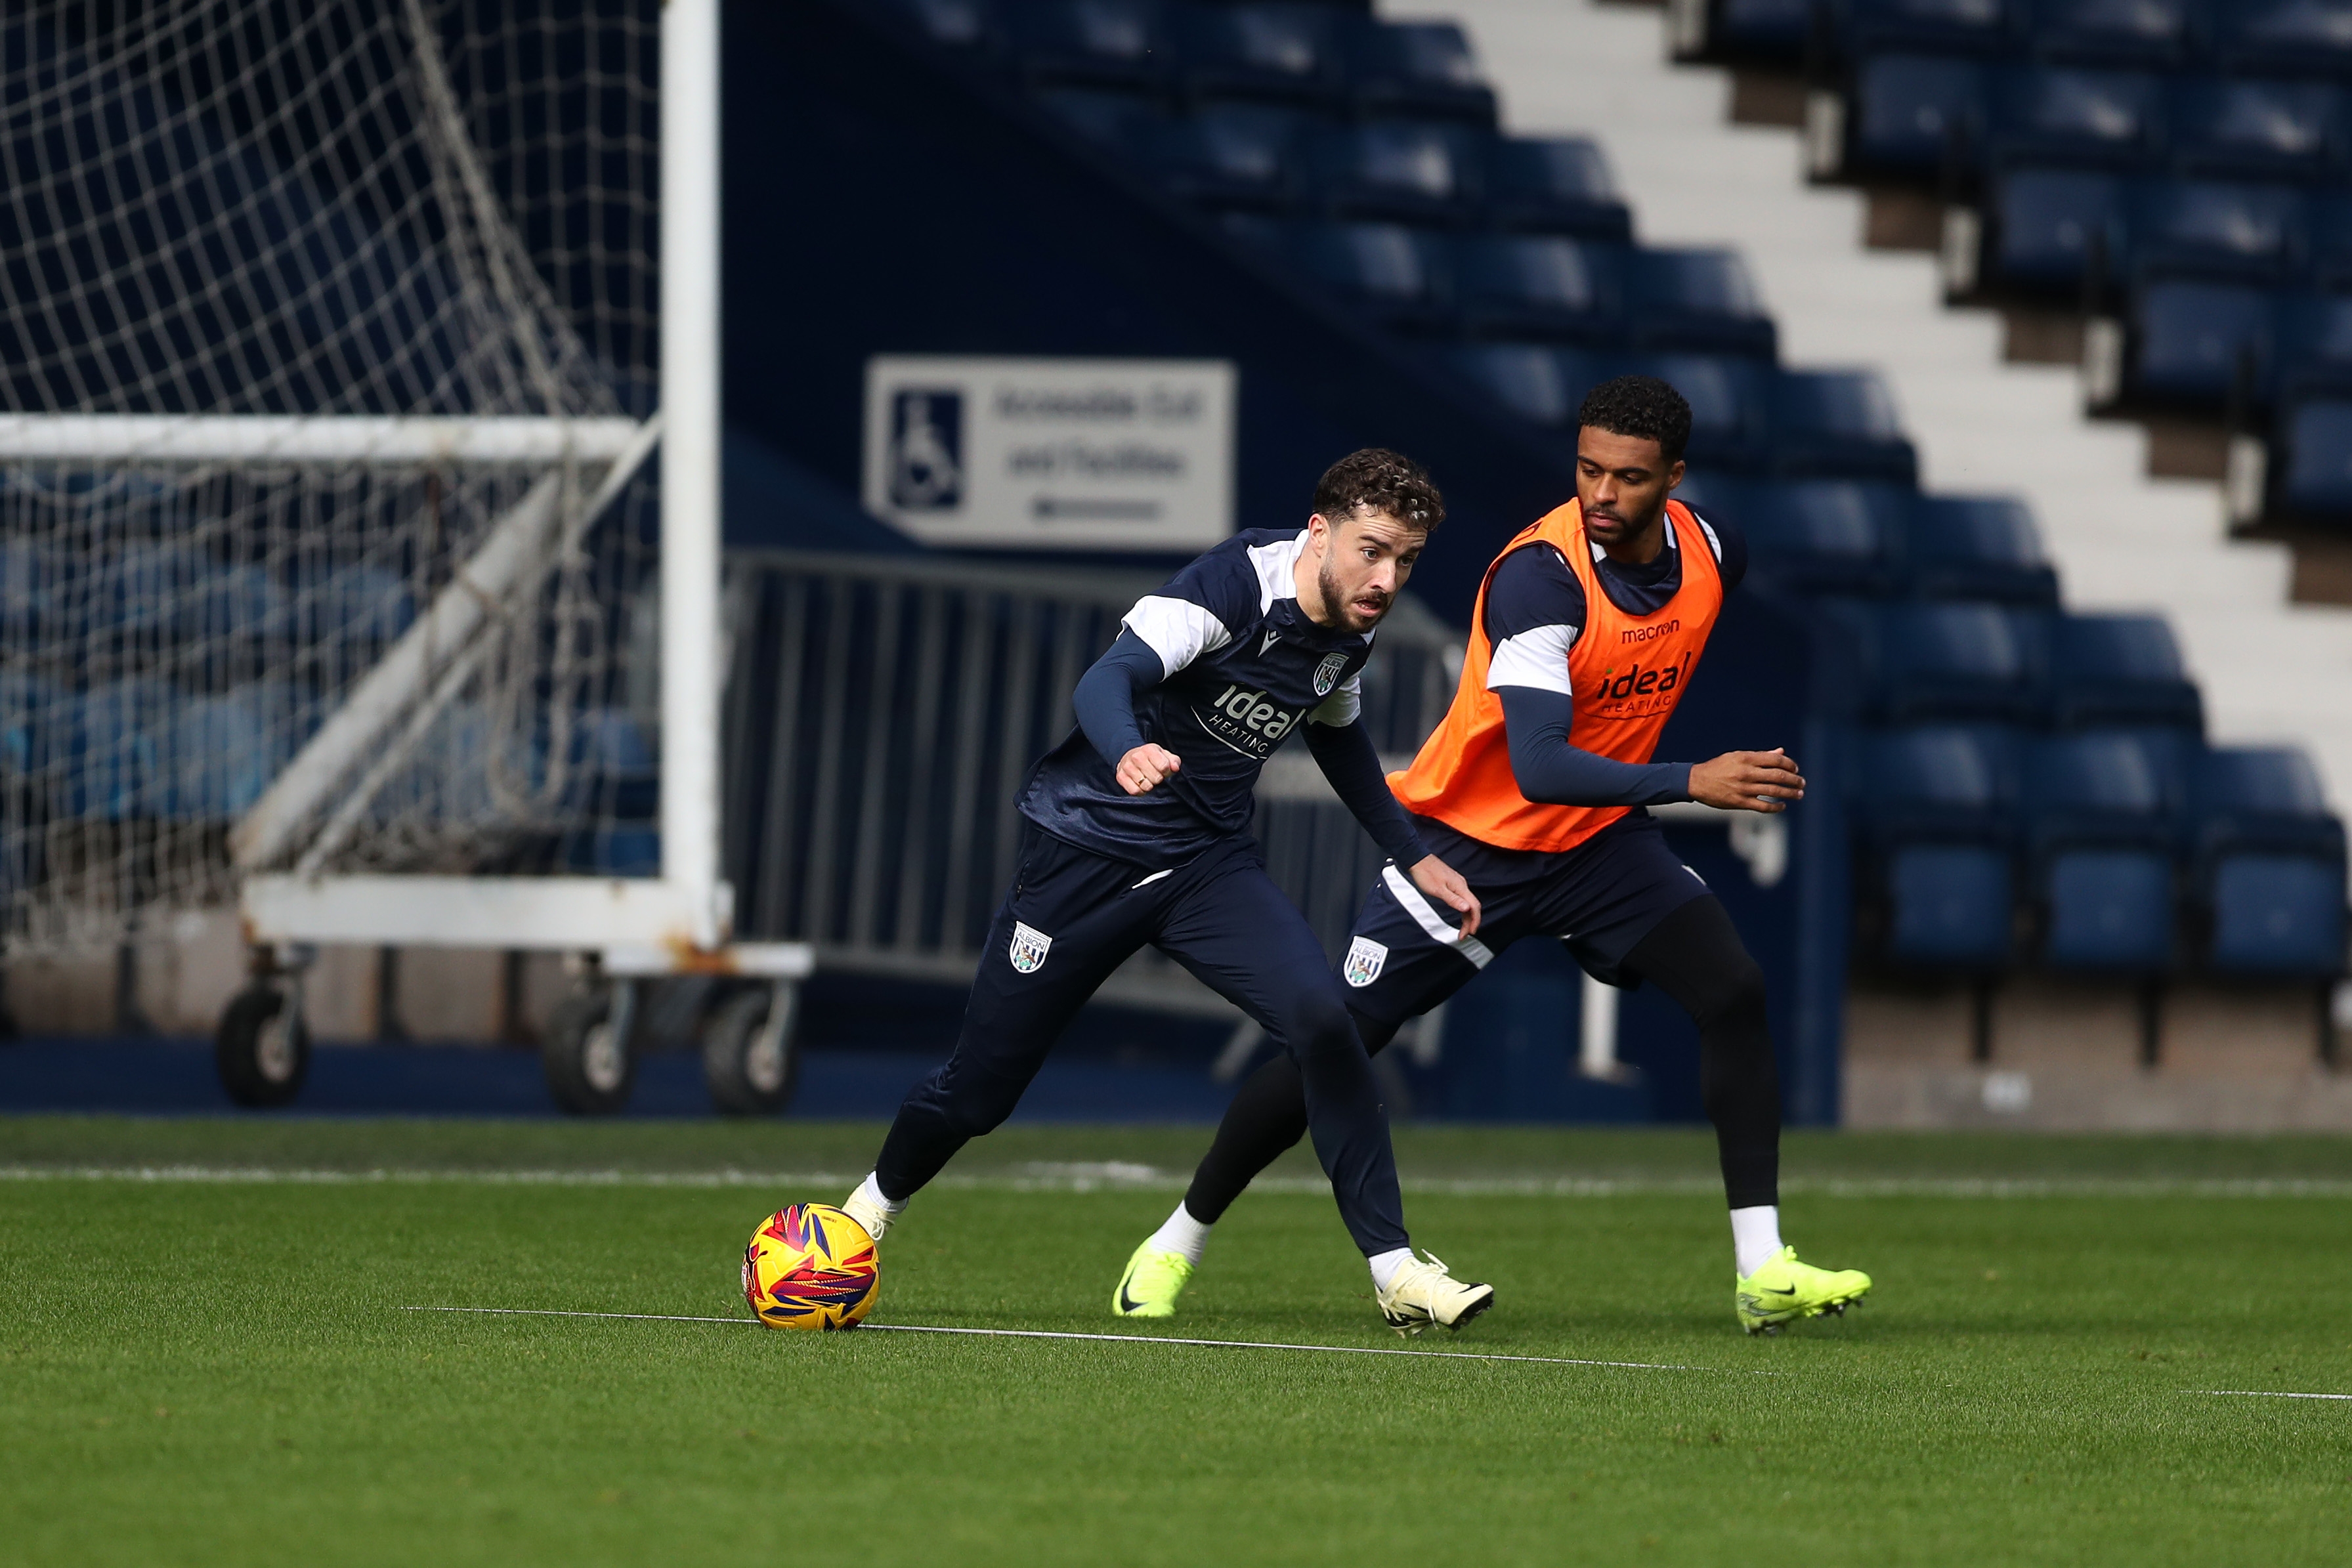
x=1136, y=830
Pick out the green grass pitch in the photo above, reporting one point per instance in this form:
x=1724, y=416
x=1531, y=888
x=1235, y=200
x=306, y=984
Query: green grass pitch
x=203, y=1356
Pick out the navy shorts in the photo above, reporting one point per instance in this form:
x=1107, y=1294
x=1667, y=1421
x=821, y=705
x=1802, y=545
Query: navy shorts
x=1601, y=898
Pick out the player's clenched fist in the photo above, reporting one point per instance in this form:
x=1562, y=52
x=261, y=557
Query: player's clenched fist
x=1748, y=781
x=1145, y=766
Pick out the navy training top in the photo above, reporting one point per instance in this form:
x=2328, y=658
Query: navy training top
x=1245, y=668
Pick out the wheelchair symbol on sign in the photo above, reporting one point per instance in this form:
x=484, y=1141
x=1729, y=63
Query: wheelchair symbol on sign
x=927, y=450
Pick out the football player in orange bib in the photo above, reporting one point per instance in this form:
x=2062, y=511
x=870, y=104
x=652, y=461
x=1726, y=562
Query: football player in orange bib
x=1584, y=636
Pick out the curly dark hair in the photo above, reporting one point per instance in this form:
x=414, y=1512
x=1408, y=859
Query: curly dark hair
x=1642, y=407
x=1383, y=480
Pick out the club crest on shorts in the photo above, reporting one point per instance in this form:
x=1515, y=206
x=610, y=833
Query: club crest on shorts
x=1028, y=950
x=1327, y=673
x=1366, y=958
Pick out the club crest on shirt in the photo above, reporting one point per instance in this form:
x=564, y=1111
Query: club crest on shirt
x=1366, y=959
x=1028, y=950
x=1327, y=673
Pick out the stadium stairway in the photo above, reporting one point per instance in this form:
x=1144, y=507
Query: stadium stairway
x=2270, y=669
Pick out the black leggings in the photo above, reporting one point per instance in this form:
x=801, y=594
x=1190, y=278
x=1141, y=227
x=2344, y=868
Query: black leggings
x=1693, y=955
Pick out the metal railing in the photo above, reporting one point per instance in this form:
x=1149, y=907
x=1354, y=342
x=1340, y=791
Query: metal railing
x=883, y=714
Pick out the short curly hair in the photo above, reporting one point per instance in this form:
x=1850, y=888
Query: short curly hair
x=1641, y=406
x=1384, y=481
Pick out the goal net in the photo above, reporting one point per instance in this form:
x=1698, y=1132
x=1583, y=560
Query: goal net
x=327, y=364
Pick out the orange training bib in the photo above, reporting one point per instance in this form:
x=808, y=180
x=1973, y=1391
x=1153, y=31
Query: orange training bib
x=1627, y=673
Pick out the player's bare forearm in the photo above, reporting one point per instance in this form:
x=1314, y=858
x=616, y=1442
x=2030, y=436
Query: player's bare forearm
x=1147, y=766
x=1447, y=886
x=1764, y=781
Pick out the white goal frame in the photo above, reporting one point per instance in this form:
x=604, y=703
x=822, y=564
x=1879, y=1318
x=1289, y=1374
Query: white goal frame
x=678, y=922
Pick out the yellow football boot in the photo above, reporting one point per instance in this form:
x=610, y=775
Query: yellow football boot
x=1153, y=1280
x=1783, y=1290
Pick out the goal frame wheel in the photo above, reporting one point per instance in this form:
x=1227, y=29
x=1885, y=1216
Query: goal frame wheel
x=585, y=1052
x=751, y=1054
x=262, y=1046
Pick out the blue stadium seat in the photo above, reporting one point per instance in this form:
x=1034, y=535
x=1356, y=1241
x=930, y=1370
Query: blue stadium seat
x=1701, y=300
x=2108, y=911
x=1941, y=27
x=2328, y=221
x=2315, y=479
x=1936, y=806
x=1395, y=274
x=2119, y=670
x=1286, y=54
x=36, y=735
x=2093, y=118
x=1762, y=29
x=1948, y=907
x=1841, y=423
x=626, y=850
x=2187, y=337
x=118, y=737
x=1093, y=43
x=1944, y=782
x=970, y=26
x=2043, y=221
x=1523, y=377
x=1824, y=536
x=2259, y=798
x=2259, y=131
x=1554, y=185
x=1729, y=396
x=614, y=770
x=1950, y=660
x=1230, y=156
x=1118, y=122
x=2268, y=863
x=1913, y=111
x=2276, y=914
x=1400, y=171
x=1535, y=285
x=25, y=576
x=2148, y=34
x=1977, y=547
x=2313, y=339
x=2100, y=830
x=1417, y=68
x=219, y=753
x=2217, y=229
x=2285, y=38
x=2112, y=787
x=360, y=605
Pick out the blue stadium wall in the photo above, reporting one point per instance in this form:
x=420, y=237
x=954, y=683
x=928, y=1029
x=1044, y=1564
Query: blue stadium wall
x=880, y=201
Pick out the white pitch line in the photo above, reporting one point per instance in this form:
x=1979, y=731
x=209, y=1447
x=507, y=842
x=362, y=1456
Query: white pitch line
x=1111, y=1338
x=2263, y=1394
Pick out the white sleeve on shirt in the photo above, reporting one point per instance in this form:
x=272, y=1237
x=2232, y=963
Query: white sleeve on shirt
x=1340, y=708
x=1178, y=629
x=1537, y=658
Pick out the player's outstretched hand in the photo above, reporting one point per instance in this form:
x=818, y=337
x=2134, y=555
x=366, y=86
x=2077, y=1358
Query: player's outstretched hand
x=1748, y=781
x=1444, y=883
x=1146, y=765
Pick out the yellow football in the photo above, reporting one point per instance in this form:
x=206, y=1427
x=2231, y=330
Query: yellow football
x=810, y=1267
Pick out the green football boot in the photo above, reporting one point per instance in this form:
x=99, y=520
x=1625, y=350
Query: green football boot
x=1153, y=1280
x=1783, y=1290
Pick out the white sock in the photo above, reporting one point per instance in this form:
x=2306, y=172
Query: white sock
x=1386, y=1264
x=1755, y=1237
x=872, y=1193
x=1182, y=1234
